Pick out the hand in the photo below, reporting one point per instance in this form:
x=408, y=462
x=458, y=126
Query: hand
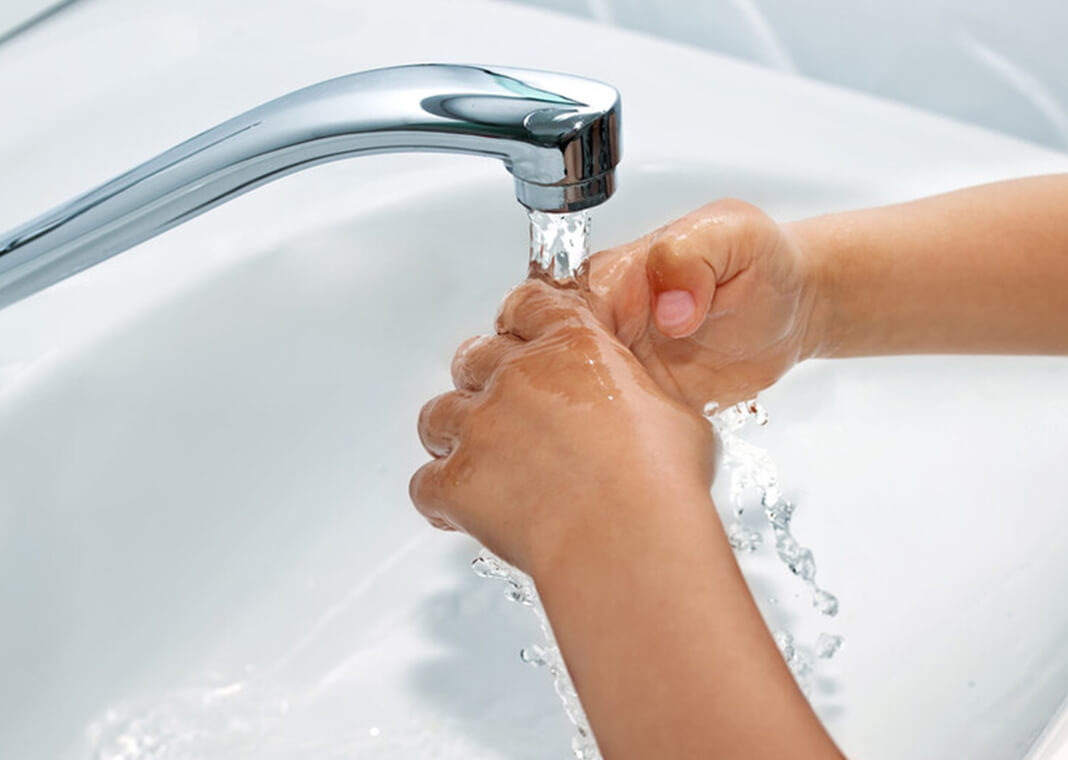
x=555, y=433
x=717, y=305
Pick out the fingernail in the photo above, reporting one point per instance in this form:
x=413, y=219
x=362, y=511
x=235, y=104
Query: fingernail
x=674, y=309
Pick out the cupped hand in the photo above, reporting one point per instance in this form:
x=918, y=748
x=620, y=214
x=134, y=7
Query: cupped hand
x=717, y=305
x=554, y=431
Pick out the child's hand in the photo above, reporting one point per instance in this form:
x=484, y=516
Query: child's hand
x=555, y=434
x=717, y=305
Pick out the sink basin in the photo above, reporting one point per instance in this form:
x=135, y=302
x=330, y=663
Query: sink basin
x=205, y=537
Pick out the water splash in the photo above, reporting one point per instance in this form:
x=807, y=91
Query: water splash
x=827, y=645
x=751, y=469
x=748, y=468
x=256, y=716
x=798, y=660
x=521, y=589
x=559, y=243
x=252, y=719
x=209, y=717
x=243, y=718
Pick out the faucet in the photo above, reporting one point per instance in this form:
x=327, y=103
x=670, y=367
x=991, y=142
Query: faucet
x=557, y=134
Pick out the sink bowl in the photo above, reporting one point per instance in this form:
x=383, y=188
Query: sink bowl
x=205, y=537
x=212, y=499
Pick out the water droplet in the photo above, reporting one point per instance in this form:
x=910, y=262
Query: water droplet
x=797, y=558
x=760, y=414
x=825, y=602
x=785, y=641
x=485, y=566
x=547, y=655
x=827, y=644
x=534, y=655
x=519, y=593
x=779, y=513
x=749, y=469
x=769, y=484
x=742, y=539
x=585, y=748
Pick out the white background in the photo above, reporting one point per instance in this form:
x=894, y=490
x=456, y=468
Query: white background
x=999, y=63
x=1002, y=64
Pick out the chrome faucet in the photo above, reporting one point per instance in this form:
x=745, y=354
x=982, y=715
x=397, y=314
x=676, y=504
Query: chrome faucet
x=557, y=134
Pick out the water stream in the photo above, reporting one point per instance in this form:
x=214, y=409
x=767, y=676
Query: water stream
x=232, y=717
x=748, y=468
x=559, y=244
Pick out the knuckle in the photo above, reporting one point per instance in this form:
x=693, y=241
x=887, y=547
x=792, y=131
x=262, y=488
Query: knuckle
x=466, y=354
x=519, y=295
x=440, y=414
x=418, y=488
x=440, y=523
x=730, y=208
x=428, y=490
x=521, y=300
x=743, y=219
x=427, y=413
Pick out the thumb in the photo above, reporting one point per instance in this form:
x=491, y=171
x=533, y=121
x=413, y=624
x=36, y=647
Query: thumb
x=692, y=256
x=681, y=283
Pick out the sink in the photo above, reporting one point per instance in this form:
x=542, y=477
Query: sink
x=206, y=442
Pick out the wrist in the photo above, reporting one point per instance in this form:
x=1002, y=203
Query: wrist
x=657, y=625
x=822, y=240
x=646, y=524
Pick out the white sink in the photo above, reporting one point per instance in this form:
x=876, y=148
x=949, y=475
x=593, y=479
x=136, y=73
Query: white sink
x=206, y=442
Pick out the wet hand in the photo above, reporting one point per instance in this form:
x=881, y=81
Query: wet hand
x=555, y=433
x=716, y=305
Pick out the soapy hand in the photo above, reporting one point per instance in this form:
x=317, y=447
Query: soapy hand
x=554, y=430
x=717, y=305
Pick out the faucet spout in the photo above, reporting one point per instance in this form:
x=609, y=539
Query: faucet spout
x=557, y=134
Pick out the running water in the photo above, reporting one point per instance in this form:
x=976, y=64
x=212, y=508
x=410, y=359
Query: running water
x=220, y=718
x=559, y=243
x=747, y=468
x=751, y=468
x=546, y=654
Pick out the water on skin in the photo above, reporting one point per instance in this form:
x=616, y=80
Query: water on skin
x=244, y=717
x=748, y=467
x=559, y=245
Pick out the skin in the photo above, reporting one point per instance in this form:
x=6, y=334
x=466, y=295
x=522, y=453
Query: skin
x=572, y=446
x=561, y=454
x=720, y=304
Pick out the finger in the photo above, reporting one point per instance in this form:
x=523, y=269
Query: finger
x=441, y=524
x=534, y=307
x=427, y=491
x=689, y=258
x=440, y=422
x=619, y=289
x=478, y=358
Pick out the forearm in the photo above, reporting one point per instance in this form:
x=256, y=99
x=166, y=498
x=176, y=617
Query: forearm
x=666, y=647
x=981, y=270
